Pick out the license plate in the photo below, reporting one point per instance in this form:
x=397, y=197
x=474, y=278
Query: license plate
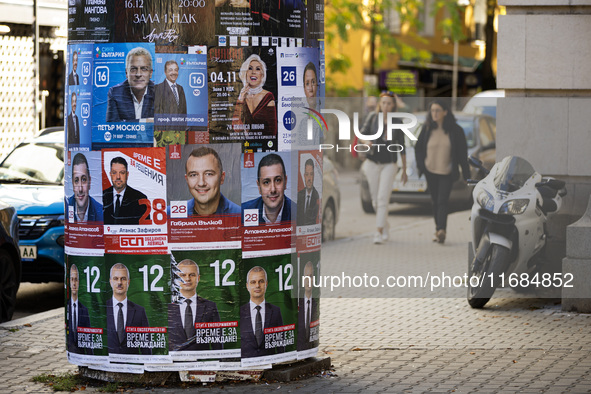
x=410, y=186
x=28, y=252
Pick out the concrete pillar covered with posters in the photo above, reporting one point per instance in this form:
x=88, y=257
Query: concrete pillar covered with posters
x=193, y=188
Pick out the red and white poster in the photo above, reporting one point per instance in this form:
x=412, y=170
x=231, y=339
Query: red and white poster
x=83, y=205
x=134, y=201
x=204, y=197
x=268, y=210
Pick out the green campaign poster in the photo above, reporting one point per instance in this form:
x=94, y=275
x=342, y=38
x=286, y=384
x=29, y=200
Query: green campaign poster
x=268, y=312
x=86, y=337
x=204, y=291
x=137, y=292
x=308, y=304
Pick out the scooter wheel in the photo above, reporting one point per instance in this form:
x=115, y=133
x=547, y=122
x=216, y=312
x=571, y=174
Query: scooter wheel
x=484, y=271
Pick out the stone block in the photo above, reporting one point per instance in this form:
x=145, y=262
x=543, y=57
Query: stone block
x=578, y=235
x=578, y=297
x=579, y=129
x=519, y=128
x=511, y=52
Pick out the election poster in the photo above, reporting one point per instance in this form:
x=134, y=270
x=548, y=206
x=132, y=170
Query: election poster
x=86, y=335
x=180, y=93
x=309, y=201
x=78, y=106
x=90, y=20
x=123, y=95
x=268, y=313
x=134, y=200
x=268, y=207
x=308, y=304
x=276, y=18
x=84, y=204
x=165, y=23
x=242, y=96
x=204, y=197
x=300, y=97
x=203, y=312
x=135, y=308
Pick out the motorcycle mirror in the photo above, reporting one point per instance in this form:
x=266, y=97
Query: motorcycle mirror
x=473, y=161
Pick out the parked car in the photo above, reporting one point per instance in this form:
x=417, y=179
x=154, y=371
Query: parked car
x=10, y=262
x=484, y=103
x=480, y=131
x=331, y=199
x=32, y=181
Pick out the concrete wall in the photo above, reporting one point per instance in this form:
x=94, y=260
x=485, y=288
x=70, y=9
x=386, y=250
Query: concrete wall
x=543, y=64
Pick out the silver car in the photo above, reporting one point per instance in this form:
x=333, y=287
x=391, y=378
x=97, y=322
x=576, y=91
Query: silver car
x=480, y=131
x=331, y=199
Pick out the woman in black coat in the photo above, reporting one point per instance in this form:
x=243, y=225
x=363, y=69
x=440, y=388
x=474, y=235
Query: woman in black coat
x=440, y=150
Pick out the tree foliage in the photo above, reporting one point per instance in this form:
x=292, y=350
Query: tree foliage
x=346, y=17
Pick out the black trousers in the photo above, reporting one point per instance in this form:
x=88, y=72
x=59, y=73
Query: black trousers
x=440, y=189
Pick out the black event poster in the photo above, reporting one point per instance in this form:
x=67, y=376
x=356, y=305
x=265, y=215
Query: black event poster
x=173, y=22
x=243, y=96
x=266, y=18
x=90, y=20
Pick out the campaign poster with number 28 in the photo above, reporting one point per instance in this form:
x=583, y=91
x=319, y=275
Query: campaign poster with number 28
x=134, y=200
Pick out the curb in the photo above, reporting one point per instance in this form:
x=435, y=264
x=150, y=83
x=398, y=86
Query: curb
x=36, y=318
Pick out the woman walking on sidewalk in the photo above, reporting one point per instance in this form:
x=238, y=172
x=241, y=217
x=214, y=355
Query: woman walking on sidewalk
x=380, y=166
x=440, y=150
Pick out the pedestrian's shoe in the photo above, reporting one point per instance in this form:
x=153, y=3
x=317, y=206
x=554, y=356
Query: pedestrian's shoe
x=377, y=238
x=435, y=239
x=440, y=234
x=385, y=234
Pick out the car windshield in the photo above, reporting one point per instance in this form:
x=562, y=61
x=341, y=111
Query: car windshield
x=34, y=163
x=512, y=173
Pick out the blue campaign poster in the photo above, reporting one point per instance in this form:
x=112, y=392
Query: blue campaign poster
x=79, y=96
x=123, y=94
x=180, y=91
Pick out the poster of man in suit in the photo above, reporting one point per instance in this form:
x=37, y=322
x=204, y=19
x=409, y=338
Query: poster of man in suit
x=135, y=308
x=134, y=200
x=308, y=304
x=123, y=95
x=85, y=321
x=180, y=92
x=204, y=308
x=268, y=313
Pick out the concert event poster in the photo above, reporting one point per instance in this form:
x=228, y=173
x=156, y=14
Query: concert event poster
x=138, y=224
x=190, y=111
x=210, y=279
x=275, y=18
x=243, y=106
x=268, y=204
x=114, y=121
x=174, y=22
x=272, y=280
x=203, y=199
x=308, y=304
x=86, y=334
x=140, y=284
x=90, y=20
x=84, y=204
x=309, y=226
x=300, y=94
x=314, y=22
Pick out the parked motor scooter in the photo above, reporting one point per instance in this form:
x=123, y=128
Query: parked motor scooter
x=512, y=204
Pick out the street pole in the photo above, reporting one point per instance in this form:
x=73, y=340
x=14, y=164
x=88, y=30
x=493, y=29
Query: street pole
x=36, y=58
x=454, y=79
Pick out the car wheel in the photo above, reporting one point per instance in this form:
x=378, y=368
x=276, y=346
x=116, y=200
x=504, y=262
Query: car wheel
x=9, y=284
x=328, y=222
